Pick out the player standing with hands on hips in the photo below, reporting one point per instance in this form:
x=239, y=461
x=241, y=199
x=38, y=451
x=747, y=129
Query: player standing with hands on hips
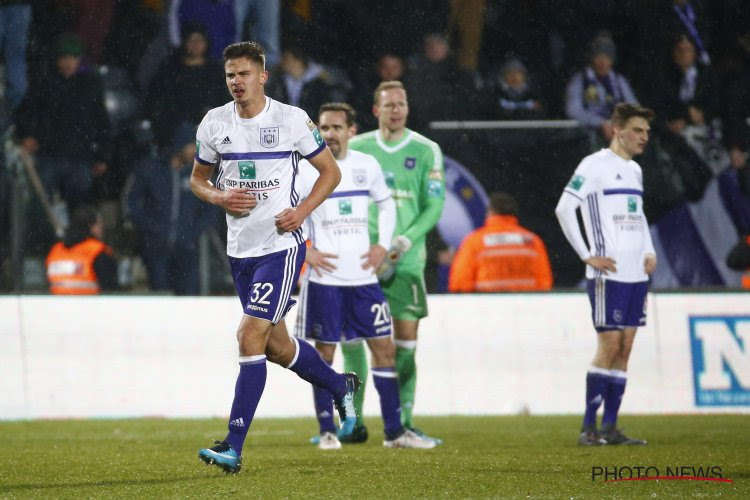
x=608, y=186
x=257, y=143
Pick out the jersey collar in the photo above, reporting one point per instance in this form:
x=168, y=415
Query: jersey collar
x=392, y=149
x=254, y=118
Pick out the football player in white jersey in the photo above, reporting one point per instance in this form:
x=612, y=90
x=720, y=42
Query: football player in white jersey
x=257, y=144
x=340, y=292
x=608, y=187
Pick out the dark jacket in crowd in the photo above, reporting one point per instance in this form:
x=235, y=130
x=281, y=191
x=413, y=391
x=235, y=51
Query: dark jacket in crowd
x=667, y=102
x=171, y=220
x=164, y=208
x=505, y=103
x=180, y=93
x=315, y=92
x=67, y=116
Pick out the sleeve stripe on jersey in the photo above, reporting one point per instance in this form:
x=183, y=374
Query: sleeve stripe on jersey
x=572, y=194
x=637, y=192
x=314, y=153
x=596, y=223
x=293, y=194
x=344, y=194
x=257, y=155
x=202, y=161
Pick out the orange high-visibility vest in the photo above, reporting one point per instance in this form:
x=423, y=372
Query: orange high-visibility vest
x=500, y=256
x=70, y=271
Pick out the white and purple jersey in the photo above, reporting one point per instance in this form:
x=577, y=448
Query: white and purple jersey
x=340, y=224
x=609, y=190
x=260, y=154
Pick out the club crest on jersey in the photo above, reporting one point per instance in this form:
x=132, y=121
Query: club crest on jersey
x=359, y=175
x=269, y=137
x=410, y=162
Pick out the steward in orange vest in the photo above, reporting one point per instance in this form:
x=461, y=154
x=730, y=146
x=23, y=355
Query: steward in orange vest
x=739, y=260
x=81, y=264
x=501, y=255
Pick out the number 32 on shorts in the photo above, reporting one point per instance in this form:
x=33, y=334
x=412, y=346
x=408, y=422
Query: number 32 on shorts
x=260, y=293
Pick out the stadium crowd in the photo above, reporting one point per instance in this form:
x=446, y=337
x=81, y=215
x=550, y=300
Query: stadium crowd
x=100, y=93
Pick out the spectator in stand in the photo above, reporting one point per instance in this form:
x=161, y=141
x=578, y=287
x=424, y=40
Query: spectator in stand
x=81, y=264
x=300, y=82
x=15, y=19
x=443, y=86
x=593, y=92
x=388, y=67
x=511, y=97
x=64, y=122
x=91, y=21
x=170, y=219
x=501, y=256
x=687, y=90
x=185, y=86
x=690, y=17
x=737, y=110
x=217, y=17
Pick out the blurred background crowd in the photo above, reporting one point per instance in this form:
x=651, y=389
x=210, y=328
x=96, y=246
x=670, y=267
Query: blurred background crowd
x=100, y=100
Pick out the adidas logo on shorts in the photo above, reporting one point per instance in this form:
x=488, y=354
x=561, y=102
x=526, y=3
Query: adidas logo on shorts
x=226, y=140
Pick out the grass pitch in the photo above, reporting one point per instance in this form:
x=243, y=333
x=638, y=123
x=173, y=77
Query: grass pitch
x=482, y=457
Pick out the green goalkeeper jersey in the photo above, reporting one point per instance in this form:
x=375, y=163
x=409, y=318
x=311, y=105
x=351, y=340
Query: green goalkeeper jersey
x=414, y=172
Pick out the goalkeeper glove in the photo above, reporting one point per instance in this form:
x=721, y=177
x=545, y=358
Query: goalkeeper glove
x=387, y=268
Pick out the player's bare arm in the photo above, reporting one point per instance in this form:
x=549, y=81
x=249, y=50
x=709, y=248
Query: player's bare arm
x=603, y=263
x=318, y=260
x=291, y=219
x=235, y=202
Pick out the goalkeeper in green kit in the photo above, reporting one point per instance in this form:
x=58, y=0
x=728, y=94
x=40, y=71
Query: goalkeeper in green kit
x=413, y=168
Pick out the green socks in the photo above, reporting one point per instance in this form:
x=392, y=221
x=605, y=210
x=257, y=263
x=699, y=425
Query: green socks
x=406, y=368
x=355, y=360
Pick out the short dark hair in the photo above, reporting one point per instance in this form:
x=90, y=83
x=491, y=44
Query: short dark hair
x=351, y=115
x=387, y=85
x=81, y=222
x=250, y=50
x=627, y=110
x=503, y=204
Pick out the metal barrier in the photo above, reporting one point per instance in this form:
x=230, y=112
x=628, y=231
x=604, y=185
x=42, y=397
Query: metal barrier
x=532, y=160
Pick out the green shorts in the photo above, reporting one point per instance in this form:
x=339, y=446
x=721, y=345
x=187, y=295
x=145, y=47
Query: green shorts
x=407, y=297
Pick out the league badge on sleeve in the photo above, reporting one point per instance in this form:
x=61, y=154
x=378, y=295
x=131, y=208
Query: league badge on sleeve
x=576, y=182
x=269, y=137
x=318, y=138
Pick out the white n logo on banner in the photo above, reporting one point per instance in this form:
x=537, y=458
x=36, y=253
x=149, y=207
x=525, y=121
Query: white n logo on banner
x=721, y=360
x=719, y=347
